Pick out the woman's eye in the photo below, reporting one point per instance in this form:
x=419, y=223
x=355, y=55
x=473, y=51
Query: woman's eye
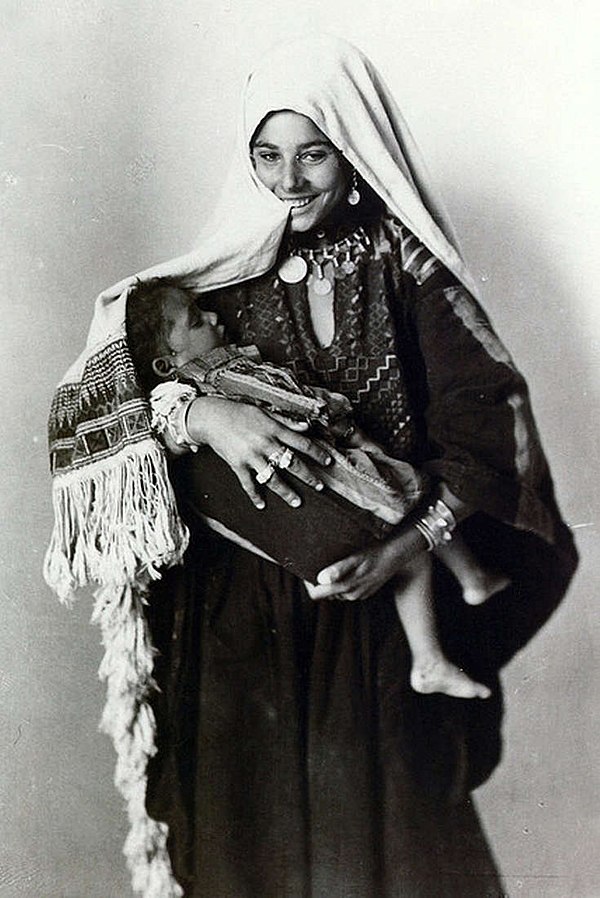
x=269, y=158
x=315, y=157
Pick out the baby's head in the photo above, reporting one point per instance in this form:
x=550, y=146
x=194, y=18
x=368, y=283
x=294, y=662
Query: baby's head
x=167, y=328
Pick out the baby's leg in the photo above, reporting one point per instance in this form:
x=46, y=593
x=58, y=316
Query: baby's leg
x=478, y=584
x=431, y=670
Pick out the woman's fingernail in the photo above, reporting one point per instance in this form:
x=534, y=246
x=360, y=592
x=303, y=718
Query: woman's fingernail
x=295, y=502
x=260, y=505
x=328, y=460
x=319, y=486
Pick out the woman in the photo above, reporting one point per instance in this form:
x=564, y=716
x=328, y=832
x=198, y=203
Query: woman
x=291, y=757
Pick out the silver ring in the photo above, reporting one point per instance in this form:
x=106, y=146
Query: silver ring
x=286, y=459
x=276, y=456
x=264, y=475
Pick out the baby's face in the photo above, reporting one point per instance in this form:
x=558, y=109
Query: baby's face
x=190, y=331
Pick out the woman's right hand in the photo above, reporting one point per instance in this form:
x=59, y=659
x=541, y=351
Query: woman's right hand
x=245, y=437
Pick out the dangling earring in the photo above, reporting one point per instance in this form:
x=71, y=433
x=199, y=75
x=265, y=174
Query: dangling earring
x=353, y=194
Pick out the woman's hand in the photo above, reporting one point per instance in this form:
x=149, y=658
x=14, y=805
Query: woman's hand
x=359, y=576
x=245, y=437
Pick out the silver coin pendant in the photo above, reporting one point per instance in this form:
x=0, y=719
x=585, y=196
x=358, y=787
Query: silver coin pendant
x=293, y=270
x=321, y=286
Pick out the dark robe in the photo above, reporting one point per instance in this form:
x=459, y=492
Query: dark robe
x=294, y=759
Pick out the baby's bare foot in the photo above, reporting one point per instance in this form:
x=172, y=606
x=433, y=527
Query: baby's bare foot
x=478, y=590
x=439, y=675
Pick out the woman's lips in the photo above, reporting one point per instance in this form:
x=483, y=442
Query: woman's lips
x=297, y=202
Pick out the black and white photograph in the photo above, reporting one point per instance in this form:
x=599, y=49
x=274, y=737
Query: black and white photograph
x=300, y=465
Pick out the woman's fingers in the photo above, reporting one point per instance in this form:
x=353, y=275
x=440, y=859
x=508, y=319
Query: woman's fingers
x=340, y=570
x=301, y=470
x=275, y=482
x=317, y=592
x=299, y=426
x=312, y=448
x=255, y=445
x=336, y=591
x=281, y=462
x=347, y=589
x=359, y=576
x=249, y=485
x=283, y=490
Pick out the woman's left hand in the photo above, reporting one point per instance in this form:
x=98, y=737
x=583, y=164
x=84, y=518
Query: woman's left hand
x=359, y=576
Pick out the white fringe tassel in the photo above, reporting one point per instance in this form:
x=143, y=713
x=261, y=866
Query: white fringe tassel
x=129, y=721
x=113, y=521
x=117, y=524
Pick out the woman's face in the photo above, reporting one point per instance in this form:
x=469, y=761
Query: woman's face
x=295, y=160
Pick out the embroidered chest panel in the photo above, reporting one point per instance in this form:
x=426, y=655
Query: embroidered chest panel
x=362, y=360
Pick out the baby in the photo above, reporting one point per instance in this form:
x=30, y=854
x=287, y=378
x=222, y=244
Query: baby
x=165, y=320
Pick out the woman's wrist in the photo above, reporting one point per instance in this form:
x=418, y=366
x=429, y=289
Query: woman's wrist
x=407, y=543
x=169, y=403
x=199, y=418
x=436, y=518
x=460, y=509
x=431, y=524
x=435, y=522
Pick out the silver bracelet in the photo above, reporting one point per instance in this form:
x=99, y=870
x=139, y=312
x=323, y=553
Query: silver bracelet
x=436, y=525
x=178, y=428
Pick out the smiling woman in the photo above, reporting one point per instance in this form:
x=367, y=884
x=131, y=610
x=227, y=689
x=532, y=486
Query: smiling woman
x=295, y=160
x=290, y=757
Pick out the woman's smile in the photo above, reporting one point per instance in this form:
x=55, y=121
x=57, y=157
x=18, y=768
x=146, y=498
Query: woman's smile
x=297, y=203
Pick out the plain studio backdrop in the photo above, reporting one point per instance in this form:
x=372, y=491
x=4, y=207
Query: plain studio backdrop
x=117, y=122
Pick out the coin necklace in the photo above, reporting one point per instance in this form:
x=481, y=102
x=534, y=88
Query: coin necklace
x=344, y=254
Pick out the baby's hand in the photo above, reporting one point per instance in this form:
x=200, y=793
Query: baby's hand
x=358, y=439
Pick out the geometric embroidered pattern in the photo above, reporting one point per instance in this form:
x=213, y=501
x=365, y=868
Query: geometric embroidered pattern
x=363, y=361
x=95, y=418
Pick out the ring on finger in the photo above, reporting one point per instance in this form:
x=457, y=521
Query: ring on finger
x=276, y=456
x=285, y=459
x=264, y=475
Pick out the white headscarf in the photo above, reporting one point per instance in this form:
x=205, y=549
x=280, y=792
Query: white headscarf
x=337, y=87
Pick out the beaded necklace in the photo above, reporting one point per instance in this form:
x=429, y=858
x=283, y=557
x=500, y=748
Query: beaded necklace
x=325, y=264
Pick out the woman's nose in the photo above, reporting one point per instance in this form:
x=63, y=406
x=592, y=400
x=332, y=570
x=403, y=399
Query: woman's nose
x=291, y=176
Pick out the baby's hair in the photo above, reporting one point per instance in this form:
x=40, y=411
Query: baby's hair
x=145, y=323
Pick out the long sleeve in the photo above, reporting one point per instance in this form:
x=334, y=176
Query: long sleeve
x=483, y=443
x=482, y=438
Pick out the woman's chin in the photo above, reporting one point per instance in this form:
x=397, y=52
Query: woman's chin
x=305, y=218
x=303, y=221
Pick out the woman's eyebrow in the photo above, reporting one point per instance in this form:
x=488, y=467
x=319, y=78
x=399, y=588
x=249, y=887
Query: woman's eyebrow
x=302, y=146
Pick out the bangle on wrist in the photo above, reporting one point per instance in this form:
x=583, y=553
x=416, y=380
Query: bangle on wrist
x=436, y=525
x=191, y=442
x=178, y=426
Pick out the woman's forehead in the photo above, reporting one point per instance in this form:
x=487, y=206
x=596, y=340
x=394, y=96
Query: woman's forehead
x=287, y=128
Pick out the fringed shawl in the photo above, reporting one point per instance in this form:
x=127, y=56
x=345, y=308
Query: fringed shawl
x=116, y=520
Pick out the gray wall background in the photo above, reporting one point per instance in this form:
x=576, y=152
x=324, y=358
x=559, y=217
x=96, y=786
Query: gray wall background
x=116, y=123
